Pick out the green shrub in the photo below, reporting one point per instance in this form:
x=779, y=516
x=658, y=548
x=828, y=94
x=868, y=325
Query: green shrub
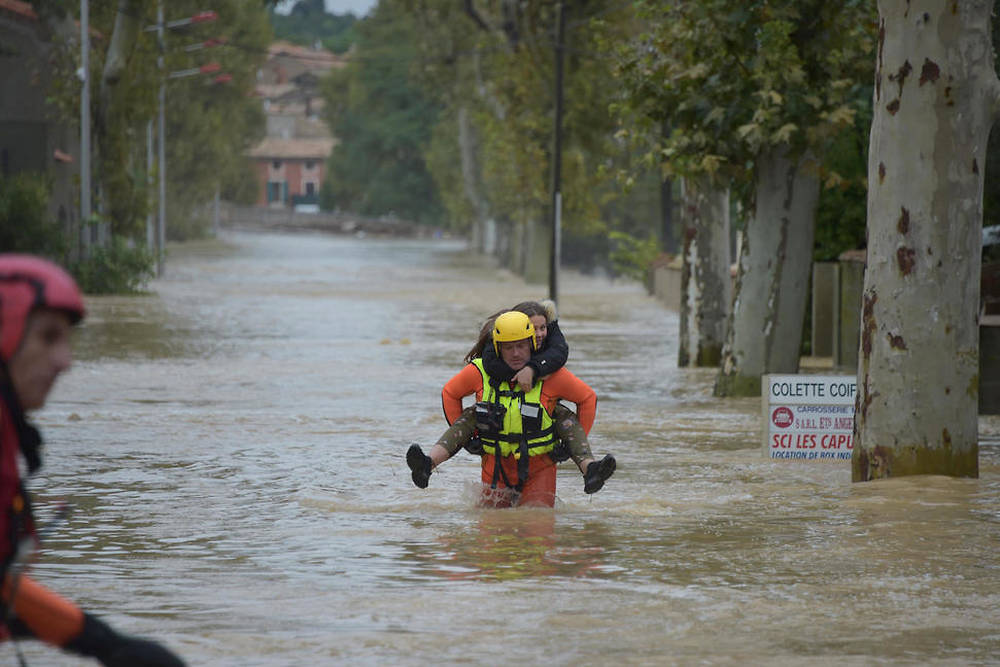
x=120, y=268
x=25, y=225
x=188, y=223
x=633, y=257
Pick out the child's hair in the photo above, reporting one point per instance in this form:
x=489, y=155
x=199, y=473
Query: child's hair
x=529, y=308
x=532, y=308
x=485, y=337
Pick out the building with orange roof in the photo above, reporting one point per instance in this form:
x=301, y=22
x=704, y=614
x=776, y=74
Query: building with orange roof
x=290, y=162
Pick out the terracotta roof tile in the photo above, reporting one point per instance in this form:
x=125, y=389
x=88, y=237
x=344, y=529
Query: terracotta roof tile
x=18, y=7
x=276, y=148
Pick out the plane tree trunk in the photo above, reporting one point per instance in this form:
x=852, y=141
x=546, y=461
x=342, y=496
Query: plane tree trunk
x=773, y=275
x=935, y=100
x=705, y=282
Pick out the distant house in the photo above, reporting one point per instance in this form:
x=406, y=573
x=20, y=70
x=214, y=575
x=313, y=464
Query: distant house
x=291, y=171
x=31, y=139
x=290, y=162
x=286, y=61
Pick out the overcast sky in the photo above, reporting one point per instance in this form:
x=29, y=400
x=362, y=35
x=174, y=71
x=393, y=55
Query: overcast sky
x=357, y=7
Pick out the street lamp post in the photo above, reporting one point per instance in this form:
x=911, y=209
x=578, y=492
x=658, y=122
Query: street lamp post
x=85, y=123
x=150, y=220
x=161, y=224
x=555, y=256
x=160, y=28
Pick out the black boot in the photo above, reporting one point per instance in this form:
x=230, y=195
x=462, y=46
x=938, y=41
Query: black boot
x=597, y=473
x=420, y=466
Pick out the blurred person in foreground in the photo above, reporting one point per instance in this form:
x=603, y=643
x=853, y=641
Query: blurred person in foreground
x=39, y=304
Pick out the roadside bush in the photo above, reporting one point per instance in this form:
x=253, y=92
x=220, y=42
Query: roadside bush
x=191, y=224
x=25, y=225
x=633, y=257
x=120, y=268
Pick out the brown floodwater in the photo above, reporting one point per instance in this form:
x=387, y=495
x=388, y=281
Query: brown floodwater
x=232, y=449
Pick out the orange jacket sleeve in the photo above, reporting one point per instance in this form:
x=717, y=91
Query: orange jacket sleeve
x=52, y=618
x=466, y=382
x=564, y=385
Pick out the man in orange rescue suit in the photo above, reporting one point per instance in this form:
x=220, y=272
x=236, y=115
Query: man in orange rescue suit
x=515, y=427
x=39, y=303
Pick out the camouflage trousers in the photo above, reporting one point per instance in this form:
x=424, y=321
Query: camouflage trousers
x=567, y=428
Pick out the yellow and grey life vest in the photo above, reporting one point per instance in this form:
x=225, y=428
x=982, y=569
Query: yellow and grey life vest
x=525, y=425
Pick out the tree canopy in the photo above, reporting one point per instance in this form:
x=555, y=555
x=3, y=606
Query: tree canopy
x=493, y=70
x=308, y=23
x=209, y=124
x=383, y=122
x=733, y=79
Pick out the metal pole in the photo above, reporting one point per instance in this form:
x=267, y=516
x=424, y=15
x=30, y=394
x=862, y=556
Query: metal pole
x=150, y=218
x=215, y=212
x=85, y=119
x=161, y=147
x=557, y=163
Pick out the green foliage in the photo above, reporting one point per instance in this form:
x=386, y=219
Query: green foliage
x=734, y=79
x=240, y=186
x=843, y=201
x=502, y=78
x=383, y=121
x=445, y=67
x=209, y=127
x=327, y=198
x=309, y=23
x=518, y=143
x=120, y=268
x=445, y=167
x=632, y=256
x=25, y=225
x=193, y=225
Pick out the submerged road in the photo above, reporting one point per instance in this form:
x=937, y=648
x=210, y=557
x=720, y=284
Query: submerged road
x=232, y=447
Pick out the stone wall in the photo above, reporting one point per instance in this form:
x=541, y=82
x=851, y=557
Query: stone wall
x=252, y=217
x=665, y=281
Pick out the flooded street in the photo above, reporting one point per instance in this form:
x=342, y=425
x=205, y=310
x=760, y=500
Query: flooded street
x=232, y=449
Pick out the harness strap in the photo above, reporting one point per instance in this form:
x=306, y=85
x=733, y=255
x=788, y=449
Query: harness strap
x=516, y=437
x=522, y=476
x=499, y=472
x=21, y=524
x=28, y=437
x=524, y=448
x=522, y=462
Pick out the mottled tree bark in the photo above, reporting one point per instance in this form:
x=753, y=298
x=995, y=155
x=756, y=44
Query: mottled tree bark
x=705, y=282
x=126, y=31
x=123, y=39
x=773, y=275
x=935, y=100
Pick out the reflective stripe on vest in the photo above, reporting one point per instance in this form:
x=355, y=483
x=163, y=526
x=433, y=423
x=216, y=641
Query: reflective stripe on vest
x=539, y=441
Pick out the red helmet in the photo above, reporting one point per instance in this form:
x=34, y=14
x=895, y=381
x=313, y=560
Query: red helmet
x=28, y=282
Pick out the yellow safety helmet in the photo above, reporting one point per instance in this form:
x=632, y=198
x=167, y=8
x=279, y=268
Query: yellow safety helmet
x=510, y=326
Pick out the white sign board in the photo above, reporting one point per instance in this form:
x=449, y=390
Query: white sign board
x=808, y=417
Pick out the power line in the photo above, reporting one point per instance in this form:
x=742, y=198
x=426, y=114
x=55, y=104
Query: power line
x=450, y=59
